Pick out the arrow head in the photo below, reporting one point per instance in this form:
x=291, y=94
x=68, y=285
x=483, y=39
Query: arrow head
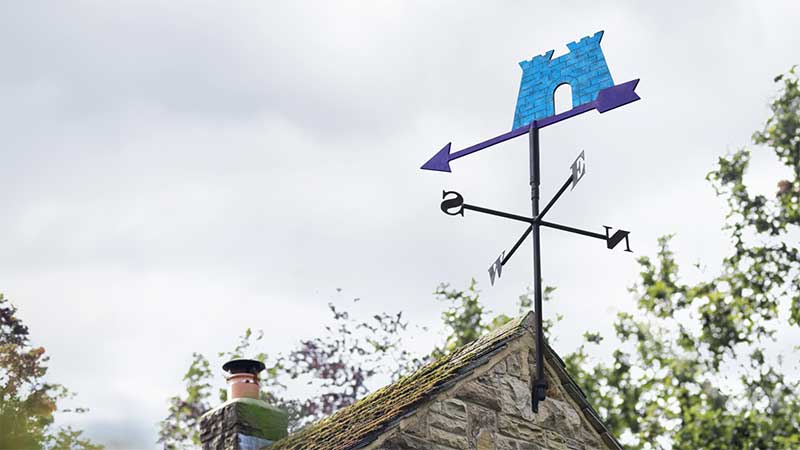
x=440, y=161
x=616, y=96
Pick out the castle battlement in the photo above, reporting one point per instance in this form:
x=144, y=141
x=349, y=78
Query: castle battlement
x=583, y=68
x=538, y=60
x=586, y=42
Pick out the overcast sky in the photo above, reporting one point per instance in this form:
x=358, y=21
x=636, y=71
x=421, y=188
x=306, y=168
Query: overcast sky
x=166, y=165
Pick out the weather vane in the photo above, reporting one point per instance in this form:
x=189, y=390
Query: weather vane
x=584, y=69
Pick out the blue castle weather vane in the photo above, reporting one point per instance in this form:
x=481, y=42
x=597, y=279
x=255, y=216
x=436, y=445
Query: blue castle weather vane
x=584, y=68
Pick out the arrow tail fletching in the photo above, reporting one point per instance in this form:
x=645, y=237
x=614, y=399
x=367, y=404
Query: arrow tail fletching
x=616, y=96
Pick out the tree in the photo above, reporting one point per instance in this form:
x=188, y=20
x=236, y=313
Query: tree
x=344, y=361
x=179, y=430
x=692, y=370
x=27, y=401
x=463, y=319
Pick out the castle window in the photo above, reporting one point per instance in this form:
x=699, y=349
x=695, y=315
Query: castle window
x=562, y=98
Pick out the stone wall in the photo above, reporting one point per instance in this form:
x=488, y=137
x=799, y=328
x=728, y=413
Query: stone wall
x=491, y=410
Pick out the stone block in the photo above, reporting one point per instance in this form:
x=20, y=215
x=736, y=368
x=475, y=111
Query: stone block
x=518, y=428
x=416, y=425
x=485, y=441
x=515, y=397
x=514, y=364
x=480, y=419
x=479, y=393
x=500, y=367
x=452, y=440
x=402, y=441
x=554, y=414
x=454, y=408
x=555, y=440
x=442, y=422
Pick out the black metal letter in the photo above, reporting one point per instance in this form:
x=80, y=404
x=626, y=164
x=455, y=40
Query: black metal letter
x=578, y=169
x=496, y=267
x=619, y=235
x=454, y=202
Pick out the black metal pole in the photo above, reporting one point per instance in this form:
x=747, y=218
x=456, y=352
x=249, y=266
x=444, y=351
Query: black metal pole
x=540, y=384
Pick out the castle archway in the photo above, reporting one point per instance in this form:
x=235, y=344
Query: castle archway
x=562, y=98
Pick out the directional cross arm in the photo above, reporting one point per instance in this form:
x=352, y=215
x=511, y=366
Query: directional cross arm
x=612, y=240
x=517, y=244
x=572, y=230
x=555, y=198
x=497, y=266
x=453, y=205
x=497, y=213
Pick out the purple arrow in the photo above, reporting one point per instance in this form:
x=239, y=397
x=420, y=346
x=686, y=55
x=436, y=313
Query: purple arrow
x=607, y=99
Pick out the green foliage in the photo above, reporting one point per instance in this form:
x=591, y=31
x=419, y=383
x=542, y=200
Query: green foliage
x=463, y=318
x=179, y=429
x=691, y=370
x=27, y=401
x=525, y=304
x=66, y=439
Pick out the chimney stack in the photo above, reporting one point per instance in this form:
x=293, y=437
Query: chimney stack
x=244, y=422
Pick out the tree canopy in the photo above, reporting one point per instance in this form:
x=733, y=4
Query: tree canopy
x=27, y=401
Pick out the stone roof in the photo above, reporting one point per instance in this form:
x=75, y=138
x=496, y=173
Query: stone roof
x=359, y=424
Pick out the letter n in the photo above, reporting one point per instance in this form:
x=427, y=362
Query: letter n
x=616, y=238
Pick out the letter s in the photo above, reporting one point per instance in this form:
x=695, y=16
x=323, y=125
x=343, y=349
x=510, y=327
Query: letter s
x=453, y=202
